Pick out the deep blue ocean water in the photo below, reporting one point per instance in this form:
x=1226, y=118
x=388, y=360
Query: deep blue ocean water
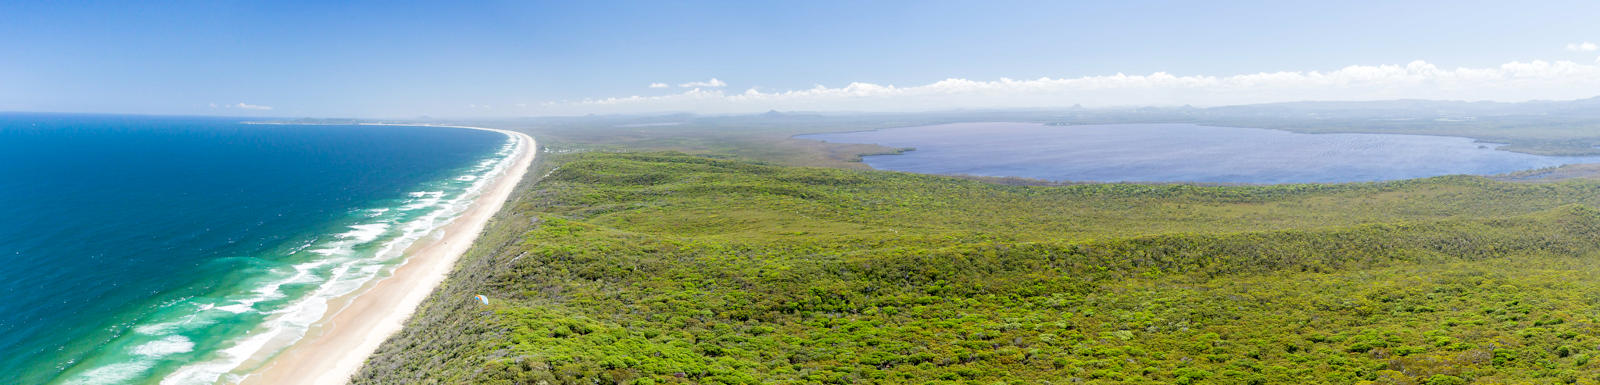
x=139, y=248
x=1183, y=153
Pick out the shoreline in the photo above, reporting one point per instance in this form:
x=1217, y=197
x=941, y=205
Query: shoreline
x=340, y=342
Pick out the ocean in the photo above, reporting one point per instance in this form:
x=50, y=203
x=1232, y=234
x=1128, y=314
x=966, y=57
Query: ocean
x=176, y=250
x=1183, y=153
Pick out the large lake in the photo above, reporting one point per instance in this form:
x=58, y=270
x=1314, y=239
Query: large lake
x=1183, y=153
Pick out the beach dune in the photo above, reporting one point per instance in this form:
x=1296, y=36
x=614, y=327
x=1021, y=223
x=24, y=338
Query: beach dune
x=331, y=352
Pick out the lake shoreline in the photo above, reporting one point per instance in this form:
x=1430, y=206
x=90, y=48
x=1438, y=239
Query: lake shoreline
x=1031, y=153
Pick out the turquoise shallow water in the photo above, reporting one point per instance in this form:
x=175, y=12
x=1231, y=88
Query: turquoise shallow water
x=172, y=249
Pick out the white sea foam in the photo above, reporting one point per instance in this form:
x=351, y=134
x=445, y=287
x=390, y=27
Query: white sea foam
x=358, y=235
x=111, y=374
x=424, y=199
x=302, y=247
x=338, y=271
x=154, y=329
x=341, y=271
x=365, y=233
x=192, y=320
x=148, y=354
x=165, y=347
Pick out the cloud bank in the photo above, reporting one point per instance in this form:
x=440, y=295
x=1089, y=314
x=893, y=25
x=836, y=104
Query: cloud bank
x=243, y=106
x=713, y=83
x=1582, y=47
x=1514, y=81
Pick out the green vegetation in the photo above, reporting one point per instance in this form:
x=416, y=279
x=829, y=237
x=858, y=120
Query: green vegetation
x=768, y=137
x=653, y=268
x=1535, y=127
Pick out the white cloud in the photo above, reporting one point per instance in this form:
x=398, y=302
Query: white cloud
x=1582, y=47
x=659, y=85
x=1514, y=81
x=713, y=83
x=242, y=106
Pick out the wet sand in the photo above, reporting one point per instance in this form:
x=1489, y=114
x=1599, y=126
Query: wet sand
x=336, y=348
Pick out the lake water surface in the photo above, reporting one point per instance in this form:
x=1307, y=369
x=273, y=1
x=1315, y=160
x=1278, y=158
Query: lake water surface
x=1183, y=153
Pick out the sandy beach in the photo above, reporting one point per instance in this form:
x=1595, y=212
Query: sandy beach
x=335, y=349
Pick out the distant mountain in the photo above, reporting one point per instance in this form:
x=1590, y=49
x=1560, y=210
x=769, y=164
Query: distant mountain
x=1412, y=108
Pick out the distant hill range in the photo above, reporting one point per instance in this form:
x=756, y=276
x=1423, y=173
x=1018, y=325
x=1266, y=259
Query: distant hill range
x=1569, y=127
x=1412, y=108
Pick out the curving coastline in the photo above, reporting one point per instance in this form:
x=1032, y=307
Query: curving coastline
x=333, y=350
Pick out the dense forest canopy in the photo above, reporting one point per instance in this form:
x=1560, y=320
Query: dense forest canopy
x=675, y=268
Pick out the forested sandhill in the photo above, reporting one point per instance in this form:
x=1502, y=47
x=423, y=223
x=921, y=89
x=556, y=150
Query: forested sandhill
x=671, y=268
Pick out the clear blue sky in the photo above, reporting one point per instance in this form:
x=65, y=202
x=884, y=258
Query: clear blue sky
x=380, y=59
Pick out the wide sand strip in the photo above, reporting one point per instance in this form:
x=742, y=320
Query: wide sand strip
x=334, y=350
